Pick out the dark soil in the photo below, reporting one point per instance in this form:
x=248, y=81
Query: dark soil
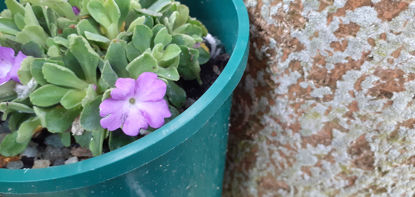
x=209, y=73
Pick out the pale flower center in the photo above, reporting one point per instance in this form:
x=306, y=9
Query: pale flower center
x=132, y=101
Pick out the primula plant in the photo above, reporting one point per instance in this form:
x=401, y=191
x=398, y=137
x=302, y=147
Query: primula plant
x=97, y=70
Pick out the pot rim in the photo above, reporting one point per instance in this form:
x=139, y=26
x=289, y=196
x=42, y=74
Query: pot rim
x=152, y=146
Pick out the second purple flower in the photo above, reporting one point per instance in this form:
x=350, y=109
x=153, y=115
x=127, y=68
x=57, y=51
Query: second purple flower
x=9, y=64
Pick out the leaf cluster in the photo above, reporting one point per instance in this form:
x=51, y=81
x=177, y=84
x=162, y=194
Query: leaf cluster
x=74, y=61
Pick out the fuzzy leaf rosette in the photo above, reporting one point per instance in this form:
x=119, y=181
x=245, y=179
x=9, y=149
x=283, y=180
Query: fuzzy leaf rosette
x=93, y=69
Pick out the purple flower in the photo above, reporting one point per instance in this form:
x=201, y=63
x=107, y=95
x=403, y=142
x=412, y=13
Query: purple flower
x=9, y=64
x=135, y=104
x=76, y=10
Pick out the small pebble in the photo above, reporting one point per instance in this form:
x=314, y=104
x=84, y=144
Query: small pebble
x=41, y=164
x=81, y=152
x=59, y=162
x=71, y=160
x=52, y=153
x=54, y=140
x=15, y=165
x=30, y=151
x=216, y=70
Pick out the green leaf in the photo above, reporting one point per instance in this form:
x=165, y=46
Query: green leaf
x=138, y=21
x=158, y=51
x=66, y=27
x=72, y=99
x=65, y=138
x=9, y=147
x=117, y=56
x=124, y=7
x=72, y=63
x=36, y=71
x=163, y=37
x=24, y=72
x=50, y=18
x=107, y=94
x=85, y=25
x=32, y=33
x=13, y=106
x=62, y=76
x=104, y=13
x=90, y=95
x=15, y=7
x=197, y=23
x=54, y=51
x=19, y=21
x=169, y=73
x=7, y=91
x=182, y=16
x=90, y=118
x=27, y=129
x=189, y=67
x=184, y=40
x=47, y=95
x=132, y=52
x=118, y=139
x=149, y=12
x=97, y=142
x=96, y=37
x=33, y=49
x=108, y=76
x=158, y=5
x=142, y=37
x=16, y=119
x=176, y=95
x=84, y=139
x=172, y=51
x=61, y=41
x=7, y=26
x=63, y=8
x=143, y=63
x=86, y=56
x=56, y=119
x=204, y=56
x=189, y=29
x=113, y=11
x=30, y=17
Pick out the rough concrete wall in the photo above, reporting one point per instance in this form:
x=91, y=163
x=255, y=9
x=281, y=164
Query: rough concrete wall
x=327, y=104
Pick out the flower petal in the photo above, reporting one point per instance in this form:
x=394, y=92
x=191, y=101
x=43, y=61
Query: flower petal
x=149, y=87
x=4, y=73
x=113, y=121
x=155, y=112
x=134, y=123
x=6, y=63
x=16, y=66
x=124, y=88
x=109, y=106
x=76, y=10
x=6, y=54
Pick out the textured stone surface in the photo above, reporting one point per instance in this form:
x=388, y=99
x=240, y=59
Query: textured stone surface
x=327, y=104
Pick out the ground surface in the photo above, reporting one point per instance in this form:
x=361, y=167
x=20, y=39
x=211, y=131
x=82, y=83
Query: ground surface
x=327, y=103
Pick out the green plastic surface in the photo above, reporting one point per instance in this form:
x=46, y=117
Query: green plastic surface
x=186, y=157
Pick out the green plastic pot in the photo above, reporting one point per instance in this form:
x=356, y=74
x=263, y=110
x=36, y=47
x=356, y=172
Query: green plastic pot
x=186, y=157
